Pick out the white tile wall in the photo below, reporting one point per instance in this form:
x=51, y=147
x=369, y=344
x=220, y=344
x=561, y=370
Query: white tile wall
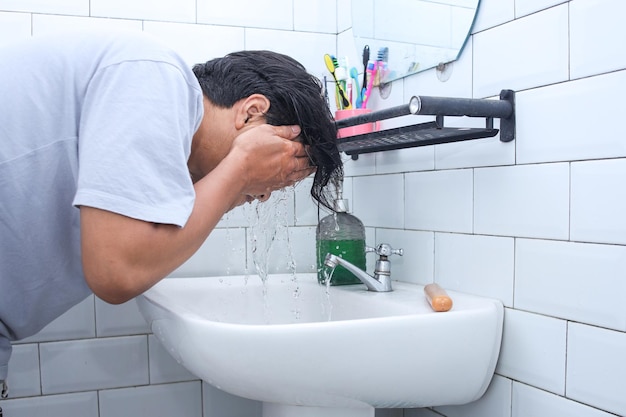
x=204, y=48
x=596, y=33
x=389, y=412
x=167, y=10
x=574, y=281
x=293, y=249
x=273, y=14
x=406, y=160
x=344, y=15
x=495, y=402
x=309, y=214
x=93, y=364
x=598, y=201
x=480, y=152
x=566, y=119
x=291, y=43
x=377, y=200
x=493, y=13
x=84, y=404
x=533, y=350
x=223, y=253
x=77, y=323
x=596, y=367
x=546, y=233
x=536, y=223
x=439, y=200
x=418, y=264
x=420, y=412
x=315, y=16
x=182, y=399
x=522, y=200
x=302, y=242
x=163, y=367
x=458, y=85
x=69, y=7
x=482, y=265
x=44, y=24
x=532, y=6
x=506, y=61
x=24, y=371
x=347, y=48
x=365, y=165
x=14, y=26
x=529, y=401
x=119, y=320
x=218, y=403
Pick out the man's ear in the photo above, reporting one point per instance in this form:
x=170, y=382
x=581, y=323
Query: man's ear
x=253, y=108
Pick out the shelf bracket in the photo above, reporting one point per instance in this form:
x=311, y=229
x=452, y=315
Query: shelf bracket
x=431, y=133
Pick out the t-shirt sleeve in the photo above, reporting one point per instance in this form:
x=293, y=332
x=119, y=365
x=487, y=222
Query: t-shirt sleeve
x=135, y=133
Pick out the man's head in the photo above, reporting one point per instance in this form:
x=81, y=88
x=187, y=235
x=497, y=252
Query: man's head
x=295, y=98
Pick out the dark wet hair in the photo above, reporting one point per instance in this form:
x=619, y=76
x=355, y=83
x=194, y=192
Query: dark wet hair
x=295, y=99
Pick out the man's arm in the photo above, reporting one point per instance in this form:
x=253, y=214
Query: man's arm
x=123, y=257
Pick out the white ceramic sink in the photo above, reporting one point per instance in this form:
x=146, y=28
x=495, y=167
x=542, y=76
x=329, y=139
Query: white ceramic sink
x=296, y=345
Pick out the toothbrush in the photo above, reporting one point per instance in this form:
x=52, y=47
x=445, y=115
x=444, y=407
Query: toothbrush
x=349, y=90
x=355, y=78
x=371, y=73
x=330, y=65
x=381, y=64
x=375, y=71
x=366, y=59
x=341, y=73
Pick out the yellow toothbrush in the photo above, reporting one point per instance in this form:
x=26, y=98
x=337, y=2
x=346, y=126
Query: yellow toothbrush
x=330, y=65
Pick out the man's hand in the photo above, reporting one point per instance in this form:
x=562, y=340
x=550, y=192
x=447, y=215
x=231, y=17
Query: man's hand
x=269, y=158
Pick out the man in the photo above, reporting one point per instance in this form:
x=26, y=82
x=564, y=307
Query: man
x=117, y=161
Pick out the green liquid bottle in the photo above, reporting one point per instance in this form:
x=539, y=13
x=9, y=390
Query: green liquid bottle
x=341, y=234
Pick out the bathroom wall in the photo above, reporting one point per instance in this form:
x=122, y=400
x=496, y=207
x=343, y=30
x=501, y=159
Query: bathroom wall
x=535, y=223
x=100, y=360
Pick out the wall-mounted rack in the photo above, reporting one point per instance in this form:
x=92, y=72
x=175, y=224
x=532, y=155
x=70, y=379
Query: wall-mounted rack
x=431, y=133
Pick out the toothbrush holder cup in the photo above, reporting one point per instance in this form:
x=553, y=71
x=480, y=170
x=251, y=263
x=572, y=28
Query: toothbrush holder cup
x=358, y=129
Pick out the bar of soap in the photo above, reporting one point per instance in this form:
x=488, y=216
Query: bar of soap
x=437, y=297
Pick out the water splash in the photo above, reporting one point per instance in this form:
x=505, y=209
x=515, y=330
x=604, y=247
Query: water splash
x=229, y=238
x=327, y=275
x=327, y=305
x=268, y=224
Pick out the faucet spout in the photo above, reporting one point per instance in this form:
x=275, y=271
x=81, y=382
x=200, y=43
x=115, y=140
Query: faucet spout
x=381, y=282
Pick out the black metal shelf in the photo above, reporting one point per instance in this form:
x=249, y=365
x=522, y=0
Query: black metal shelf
x=431, y=133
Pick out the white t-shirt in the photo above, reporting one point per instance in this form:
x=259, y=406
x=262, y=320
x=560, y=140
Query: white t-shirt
x=93, y=119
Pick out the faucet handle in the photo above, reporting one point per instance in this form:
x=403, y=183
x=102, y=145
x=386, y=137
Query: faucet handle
x=385, y=249
x=399, y=252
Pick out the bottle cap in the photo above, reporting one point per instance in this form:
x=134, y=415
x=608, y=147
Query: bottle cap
x=341, y=205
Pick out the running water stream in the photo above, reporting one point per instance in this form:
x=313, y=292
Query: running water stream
x=272, y=252
x=268, y=233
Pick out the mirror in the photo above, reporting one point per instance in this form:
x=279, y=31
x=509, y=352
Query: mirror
x=413, y=35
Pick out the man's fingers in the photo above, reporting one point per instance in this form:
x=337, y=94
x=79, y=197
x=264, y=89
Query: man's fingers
x=300, y=174
x=288, y=132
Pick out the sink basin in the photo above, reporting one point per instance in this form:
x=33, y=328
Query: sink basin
x=299, y=346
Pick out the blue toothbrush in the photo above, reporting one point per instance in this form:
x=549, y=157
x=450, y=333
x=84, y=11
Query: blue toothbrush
x=354, y=74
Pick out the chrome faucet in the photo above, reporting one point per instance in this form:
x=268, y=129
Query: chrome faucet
x=381, y=281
